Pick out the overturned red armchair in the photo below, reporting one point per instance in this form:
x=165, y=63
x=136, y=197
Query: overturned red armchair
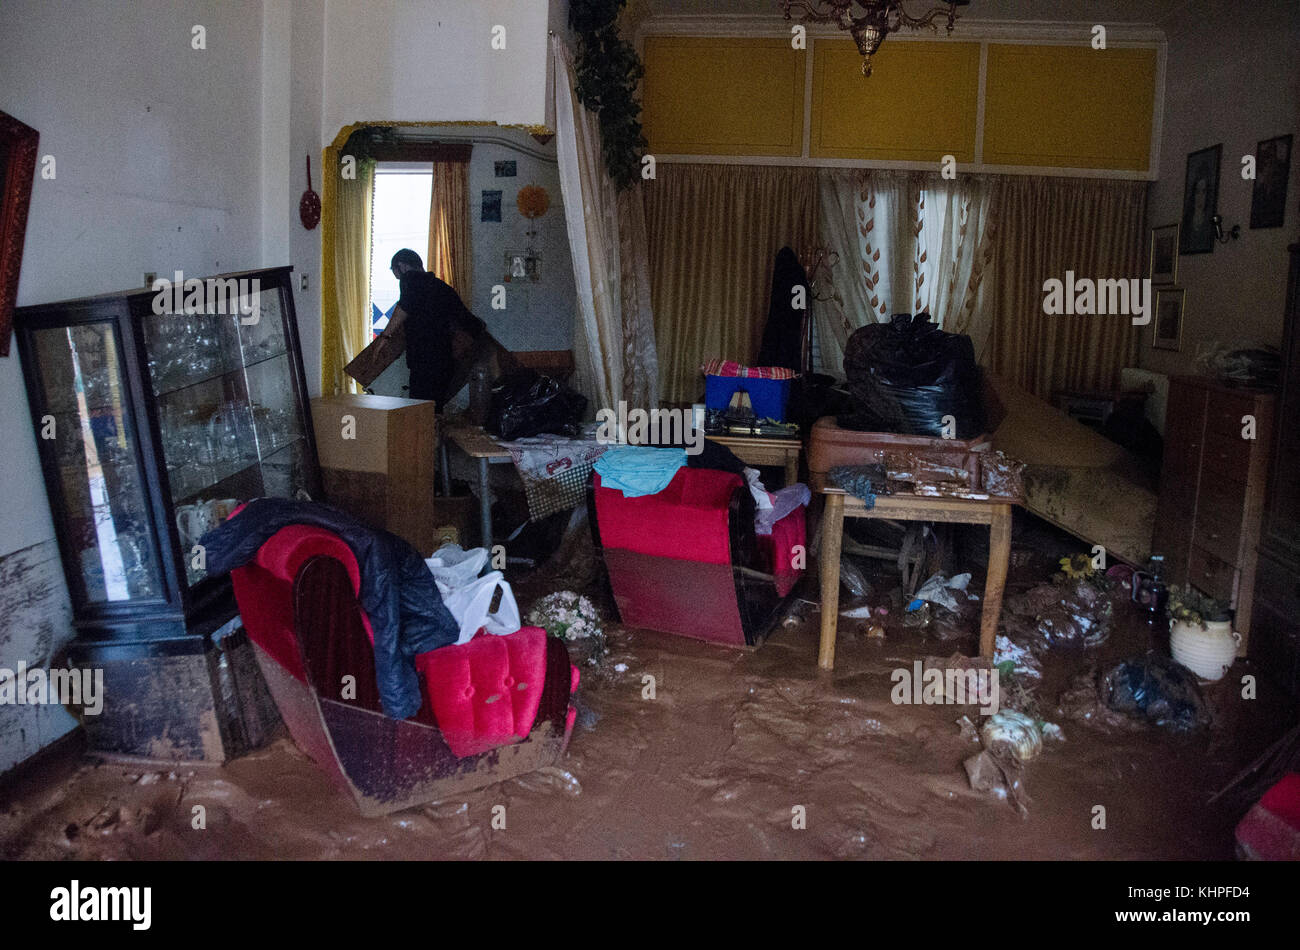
x=688, y=560
x=493, y=708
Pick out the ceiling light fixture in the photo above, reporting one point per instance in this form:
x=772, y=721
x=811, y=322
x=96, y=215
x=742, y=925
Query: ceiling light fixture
x=877, y=20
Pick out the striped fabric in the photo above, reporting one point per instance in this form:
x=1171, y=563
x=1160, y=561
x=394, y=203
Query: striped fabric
x=720, y=367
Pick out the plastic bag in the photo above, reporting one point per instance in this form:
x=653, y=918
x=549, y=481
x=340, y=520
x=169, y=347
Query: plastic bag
x=905, y=376
x=526, y=403
x=452, y=566
x=471, y=605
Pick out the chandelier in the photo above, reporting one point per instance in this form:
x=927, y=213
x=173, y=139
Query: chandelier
x=878, y=19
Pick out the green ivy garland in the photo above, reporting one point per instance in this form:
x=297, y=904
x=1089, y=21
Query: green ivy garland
x=608, y=70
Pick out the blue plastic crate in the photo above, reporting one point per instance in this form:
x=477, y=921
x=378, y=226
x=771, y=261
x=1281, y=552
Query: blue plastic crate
x=768, y=396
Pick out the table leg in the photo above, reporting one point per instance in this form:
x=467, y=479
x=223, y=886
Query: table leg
x=485, y=504
x=445, y=463
x=828, y=563
x=999, y=557
x=791, y=469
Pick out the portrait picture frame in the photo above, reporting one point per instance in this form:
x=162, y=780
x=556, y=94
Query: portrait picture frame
x=18, y=146
x=1167, y=325
x=1200, y=201
x=1272, y=174
x=1163, y=255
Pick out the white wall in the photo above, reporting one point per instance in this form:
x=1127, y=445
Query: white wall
x=158, y=155
x=433, y=61
x=538, y=316
x=1233, y=78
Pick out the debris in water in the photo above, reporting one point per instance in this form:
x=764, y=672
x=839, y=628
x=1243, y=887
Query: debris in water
x=1013, y=731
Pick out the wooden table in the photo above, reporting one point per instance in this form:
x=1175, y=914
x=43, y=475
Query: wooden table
x=760, y=450
x=477, y=444
x=994, y=512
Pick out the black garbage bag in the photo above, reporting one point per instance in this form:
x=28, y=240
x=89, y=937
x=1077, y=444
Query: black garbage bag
x=1157, y=689
x=906, y=375
x=526, y=403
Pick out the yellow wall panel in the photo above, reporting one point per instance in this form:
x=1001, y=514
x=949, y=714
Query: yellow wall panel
x=919, y=103
x=1069, y=106
x=706, y=96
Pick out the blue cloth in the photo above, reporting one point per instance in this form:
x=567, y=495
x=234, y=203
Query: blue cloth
x=397, y=593
x=638, y=470
x=864, y=482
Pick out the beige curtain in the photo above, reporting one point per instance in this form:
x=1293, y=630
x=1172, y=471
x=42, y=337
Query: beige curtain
x=1047, y=226
x=613, y=329
x=346, y=238
x=714, y=231
x=449, y=239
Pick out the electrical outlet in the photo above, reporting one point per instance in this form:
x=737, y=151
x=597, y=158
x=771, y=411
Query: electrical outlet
x=302, y=281
x=149, y=278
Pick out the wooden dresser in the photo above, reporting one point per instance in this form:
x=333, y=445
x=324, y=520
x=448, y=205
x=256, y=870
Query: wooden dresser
x=1212, y=489
x=1276, y=641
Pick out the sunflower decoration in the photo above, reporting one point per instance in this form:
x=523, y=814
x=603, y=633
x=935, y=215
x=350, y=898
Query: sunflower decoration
x=1078, y=567
x=533, y=201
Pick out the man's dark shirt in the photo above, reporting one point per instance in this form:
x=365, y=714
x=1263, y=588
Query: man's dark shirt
x=433, y=310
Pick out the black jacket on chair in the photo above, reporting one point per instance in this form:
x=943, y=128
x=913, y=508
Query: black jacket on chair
x=398, y=592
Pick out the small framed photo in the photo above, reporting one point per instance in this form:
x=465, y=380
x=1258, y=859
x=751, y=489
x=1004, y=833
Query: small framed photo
x=1164, y=254
x=1200, y=201
x=1169, y=318
x=1272, y=169
x=505, y=169
x=491, y=210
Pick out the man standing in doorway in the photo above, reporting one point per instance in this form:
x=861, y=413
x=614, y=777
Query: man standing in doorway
x=429, y=309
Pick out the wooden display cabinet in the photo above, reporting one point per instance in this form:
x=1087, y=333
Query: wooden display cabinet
x=151, y=426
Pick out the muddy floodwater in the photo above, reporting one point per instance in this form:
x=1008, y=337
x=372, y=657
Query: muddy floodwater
x=732, y=747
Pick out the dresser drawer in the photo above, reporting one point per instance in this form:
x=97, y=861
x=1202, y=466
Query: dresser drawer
x=1225, y=459
x=1223, y=414
x=1218, y=531
x=1212, y=574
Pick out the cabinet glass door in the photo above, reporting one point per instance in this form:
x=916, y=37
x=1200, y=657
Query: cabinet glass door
x=230, y=421
x=85, y=417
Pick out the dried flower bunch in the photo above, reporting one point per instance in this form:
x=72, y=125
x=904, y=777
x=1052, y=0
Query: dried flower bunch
x=566, y=615
x=533, y=201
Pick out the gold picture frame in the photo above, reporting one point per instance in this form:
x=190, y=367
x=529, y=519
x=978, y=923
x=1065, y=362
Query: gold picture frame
x=1162, y=258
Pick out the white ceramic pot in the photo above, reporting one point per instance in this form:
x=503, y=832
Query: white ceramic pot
x=1206, y=652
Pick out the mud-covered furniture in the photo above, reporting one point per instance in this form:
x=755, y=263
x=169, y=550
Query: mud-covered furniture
x=156, y=412
x=689, y=561
x=377, y=458
x=994, y=512
x=493, y=708
x=1208, y=518
x=1275, y=633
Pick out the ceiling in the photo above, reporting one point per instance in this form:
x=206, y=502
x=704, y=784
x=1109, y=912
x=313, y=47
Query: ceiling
x=1091, y=11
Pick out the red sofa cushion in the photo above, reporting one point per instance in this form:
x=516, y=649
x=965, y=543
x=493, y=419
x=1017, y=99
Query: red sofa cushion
x=687, y=521
x=485, y=693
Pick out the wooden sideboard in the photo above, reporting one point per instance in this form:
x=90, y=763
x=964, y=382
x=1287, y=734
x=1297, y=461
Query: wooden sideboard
x=1277, y=585
x=1212, y=488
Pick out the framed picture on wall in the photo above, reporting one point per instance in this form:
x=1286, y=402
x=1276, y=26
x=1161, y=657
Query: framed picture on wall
x=1272, y=169
x=17, y=172
x=1164, y=254
x=1200, y=201
x=1169, y=318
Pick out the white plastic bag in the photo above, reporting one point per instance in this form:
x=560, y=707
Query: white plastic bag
x=452, y=566
x=470, y=605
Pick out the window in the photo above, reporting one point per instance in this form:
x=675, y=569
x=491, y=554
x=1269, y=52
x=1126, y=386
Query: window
x=403, y=192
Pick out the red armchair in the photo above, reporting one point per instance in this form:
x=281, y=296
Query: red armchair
x=688, y=561
x=493, y=708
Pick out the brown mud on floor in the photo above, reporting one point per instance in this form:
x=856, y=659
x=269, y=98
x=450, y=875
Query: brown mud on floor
x=710, y=768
